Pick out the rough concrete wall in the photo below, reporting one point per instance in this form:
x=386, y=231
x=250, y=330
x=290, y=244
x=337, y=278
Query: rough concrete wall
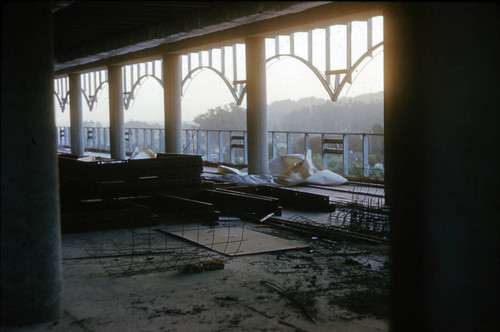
x=31, y=243
x=441, y=118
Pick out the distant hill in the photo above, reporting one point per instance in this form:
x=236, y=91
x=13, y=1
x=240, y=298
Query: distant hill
x=282, y=107
x=366, y=98
x=357, y=114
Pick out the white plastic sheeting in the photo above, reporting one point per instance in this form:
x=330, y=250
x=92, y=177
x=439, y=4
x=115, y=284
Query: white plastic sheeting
x=287, y=170
x=292, y=170
x=242, y=176
x=142, y=153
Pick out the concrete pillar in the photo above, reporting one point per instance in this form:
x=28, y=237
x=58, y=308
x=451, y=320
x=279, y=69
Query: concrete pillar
x=116, y=115
x=30, y=231
x=441, y=137
x=172, y=85
x=76, y=114
x=256, y=105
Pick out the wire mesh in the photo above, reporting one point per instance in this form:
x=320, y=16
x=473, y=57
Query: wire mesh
x=163, y=247
x=364, y=213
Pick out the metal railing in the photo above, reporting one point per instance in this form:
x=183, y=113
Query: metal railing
x=347, y=153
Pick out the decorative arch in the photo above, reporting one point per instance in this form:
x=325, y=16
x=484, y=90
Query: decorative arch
x=128, y=96
x=309, y=65
x=333, y=93
x=353, y=68
x=236, y=87
x=62, y=101
x=61, y=91
x=92, y=99
x=189, y=76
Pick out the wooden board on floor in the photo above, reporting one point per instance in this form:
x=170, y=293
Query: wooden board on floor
x=234, y=241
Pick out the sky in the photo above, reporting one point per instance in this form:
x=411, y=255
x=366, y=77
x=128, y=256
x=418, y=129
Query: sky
x=287, y=78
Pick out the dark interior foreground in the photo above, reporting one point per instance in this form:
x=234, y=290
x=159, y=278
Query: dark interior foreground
x=441, y=136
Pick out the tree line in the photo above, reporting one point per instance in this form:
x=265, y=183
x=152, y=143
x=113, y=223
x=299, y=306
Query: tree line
x=359, y=114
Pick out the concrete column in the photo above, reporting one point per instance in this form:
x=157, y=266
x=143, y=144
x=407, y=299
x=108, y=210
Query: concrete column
x=116, y=115
x=30, y=231
x=76, y=114
x=256, y=105
x=172, y=84
x=441, y=136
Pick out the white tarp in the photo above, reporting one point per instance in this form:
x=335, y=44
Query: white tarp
x=142, y=153
x=287, y=170
x=242, y=176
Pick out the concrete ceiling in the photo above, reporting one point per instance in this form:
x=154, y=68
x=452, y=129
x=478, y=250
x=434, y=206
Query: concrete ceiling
x=87, y=31
x=93, y=34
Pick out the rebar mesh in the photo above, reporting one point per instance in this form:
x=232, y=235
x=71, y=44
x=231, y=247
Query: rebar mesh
x=365, y=212
x=162, y=248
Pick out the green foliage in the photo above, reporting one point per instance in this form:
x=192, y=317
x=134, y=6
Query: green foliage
x=359, y=114
x=91, y=123
x=141, y=124
x=378, y=128
x=336, y=163
x=229, y=117
x=372, y=160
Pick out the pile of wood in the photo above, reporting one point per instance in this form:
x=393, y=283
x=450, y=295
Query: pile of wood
x=92, y=178
x=93, y=190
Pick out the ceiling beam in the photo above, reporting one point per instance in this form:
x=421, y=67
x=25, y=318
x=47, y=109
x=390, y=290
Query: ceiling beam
x=226, y=33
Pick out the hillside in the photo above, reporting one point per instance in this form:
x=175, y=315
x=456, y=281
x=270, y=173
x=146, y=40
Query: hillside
x=358, y=114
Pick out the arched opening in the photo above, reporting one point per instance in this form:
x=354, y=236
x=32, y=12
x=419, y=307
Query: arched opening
x=205, y=90
x=147, y=105
x=61, y=117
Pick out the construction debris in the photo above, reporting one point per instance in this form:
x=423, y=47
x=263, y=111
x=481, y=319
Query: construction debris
x=289, y=198
x=209, y=265
x=92, y=178
x=306, y=312
x=147, y=250
x=91, y=215
x=92, y=189
x=286, y=170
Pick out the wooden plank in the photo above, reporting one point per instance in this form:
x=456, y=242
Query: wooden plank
x=237, y=202
x=290, y=198
x=102, y=215
x=234, y=241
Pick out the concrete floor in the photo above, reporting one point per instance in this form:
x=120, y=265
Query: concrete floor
x=328, y=286
x=343, y=287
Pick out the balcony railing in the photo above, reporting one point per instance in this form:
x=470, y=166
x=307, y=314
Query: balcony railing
x=348, y=153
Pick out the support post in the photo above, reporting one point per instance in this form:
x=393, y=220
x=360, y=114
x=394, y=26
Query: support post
x=30, y=228
x=323, y=151
x=116, y=115
x=256, y=105
x=274, y=145
x=172, y=83
x=307, y=142
x=349, y=50
x=76, y=114
x=209, y=146
x=441, y=184
x=288, y=143
x=345, y=151
x=221, y=148
x=366, y=165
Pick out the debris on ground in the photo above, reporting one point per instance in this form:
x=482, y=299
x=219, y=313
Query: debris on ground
x=208, y=265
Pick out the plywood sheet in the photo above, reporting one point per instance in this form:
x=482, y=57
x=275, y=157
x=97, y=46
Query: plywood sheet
x=235, y=241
